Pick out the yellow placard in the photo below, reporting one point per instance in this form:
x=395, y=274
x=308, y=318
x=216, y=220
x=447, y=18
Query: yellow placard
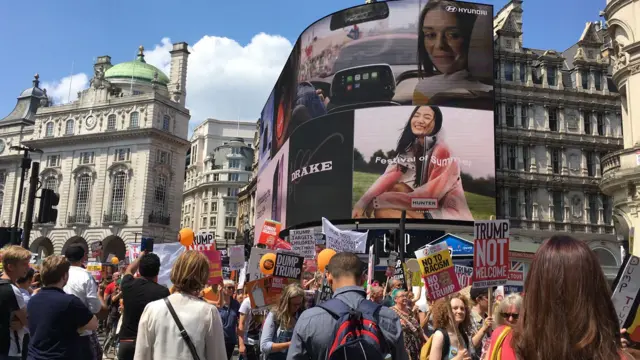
x=436, y=262
x=416, y=279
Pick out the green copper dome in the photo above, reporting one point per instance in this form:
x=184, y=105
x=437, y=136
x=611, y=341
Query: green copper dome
x=137, y=69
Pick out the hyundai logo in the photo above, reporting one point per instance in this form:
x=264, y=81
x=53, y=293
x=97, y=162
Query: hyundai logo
x=451, y=8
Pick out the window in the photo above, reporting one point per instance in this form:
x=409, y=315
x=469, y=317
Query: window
x=160, y=196
x=230, y=221
x=498, y=156
x=524, y=121
x=556, y=160
x=133, y=119
x=597, y=80
x=53, y=160
x=553, y=119
x=111, y=122
x=122, y=154
x=523, y=72
x=512, y=157
x=497, y=112
x=608, y=211
x=216, y=177
x=591, y=164
x=194, y=154
x=51, y=183
x=214, y=206
x=205, y=207
x=83, y=193
x=600, y=123
x=499, y=205
x=234, y=164
x=214, y=192
x=526, y=158
x=511, y=115
x=204, y=221
x=593, y=209
x=496, y=71
x=49, y=129
x=514, y=203
x=234, y=177
x=236, y=150
x=118, y=196
x=163, y=157
x=587, y=122
x=508, y=70
x=551, y=76
x=584, y=76
x=212, y=221
x=229, y=236
x=232, y=191
x=528, y=204
x=86, y=158
x=231, y=207
x=558, y=206
x=69, y=127
x=166, y=122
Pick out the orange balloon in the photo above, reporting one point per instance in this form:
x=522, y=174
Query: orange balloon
x=185, y=237
x=324, y=257
x=268, y=263
x=115, y=260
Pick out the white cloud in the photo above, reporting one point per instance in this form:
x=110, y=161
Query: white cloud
x=66, y=89
x=225, y=80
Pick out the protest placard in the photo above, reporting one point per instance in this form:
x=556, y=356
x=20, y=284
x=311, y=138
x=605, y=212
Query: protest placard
x=303, y=242
x=439, y=272
x=465, y=275
x=324, y=293
x=253, y=267
x=236, y=257
x=516, y=276
x=203, y=241
x=344, y=240
x=95, y=269
x=400, y=273
x=215, y=266
x=288, y=266
x=491, y=263
x=625, y=297
x=270, y=233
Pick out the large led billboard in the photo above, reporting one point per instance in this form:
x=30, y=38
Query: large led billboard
x=381, y=108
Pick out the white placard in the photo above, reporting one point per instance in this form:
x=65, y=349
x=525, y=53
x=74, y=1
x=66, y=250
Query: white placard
x=253, y=268
x=344, y=240
x=303, y=242
x=236, y=257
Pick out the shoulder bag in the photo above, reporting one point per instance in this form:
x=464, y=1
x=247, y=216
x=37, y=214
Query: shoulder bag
x=183, y=332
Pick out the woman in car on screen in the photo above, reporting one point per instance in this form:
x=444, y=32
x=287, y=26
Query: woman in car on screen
x=423, y=169
x=444, y=39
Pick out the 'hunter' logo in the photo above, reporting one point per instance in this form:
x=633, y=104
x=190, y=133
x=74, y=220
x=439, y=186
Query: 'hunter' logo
x=312, y=169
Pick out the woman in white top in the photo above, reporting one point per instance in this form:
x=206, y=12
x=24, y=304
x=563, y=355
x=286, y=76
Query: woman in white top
x=158, y=334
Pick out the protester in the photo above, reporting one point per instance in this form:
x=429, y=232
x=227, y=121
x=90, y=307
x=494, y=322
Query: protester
x=393, y=285
x=567, y=312
x=249, y=331
x=229, y=310
x=279, y=324
x=112, y=284
x=136, y=294
x=158, y=332
x=56, y=319
x=479, y=317
x=22, y=336
x=413, y=335
x=445, y=334
x=13, y=314
x=82, y=284
x=508, y=311
x=377, y=294
x=313, y=334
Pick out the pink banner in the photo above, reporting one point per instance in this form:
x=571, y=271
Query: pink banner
x=215, y=266
x=441, y=284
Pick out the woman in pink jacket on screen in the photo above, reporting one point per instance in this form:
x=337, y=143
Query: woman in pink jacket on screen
x=423, y=171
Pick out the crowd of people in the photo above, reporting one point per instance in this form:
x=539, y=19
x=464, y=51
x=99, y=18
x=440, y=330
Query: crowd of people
x=566, y=313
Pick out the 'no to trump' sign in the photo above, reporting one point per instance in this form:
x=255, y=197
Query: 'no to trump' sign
x=491, y=253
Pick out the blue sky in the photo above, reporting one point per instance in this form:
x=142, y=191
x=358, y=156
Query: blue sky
x=48, y=36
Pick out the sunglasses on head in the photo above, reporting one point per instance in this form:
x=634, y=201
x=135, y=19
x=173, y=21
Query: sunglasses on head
x=508, y=315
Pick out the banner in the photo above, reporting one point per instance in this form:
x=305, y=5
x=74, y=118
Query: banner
x=203, y=241
x=215, y=266
x=288, y=266
x=465, y=275
x=303, y=242
x=516, y=276
x=439, y=272
x=95, y=269
x=344, y=240
x=236, y=257
x=319, y=157
x=491, y=263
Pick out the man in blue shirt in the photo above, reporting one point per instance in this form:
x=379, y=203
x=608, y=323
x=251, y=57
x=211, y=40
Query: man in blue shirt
x=56, y=318
x=229, y=309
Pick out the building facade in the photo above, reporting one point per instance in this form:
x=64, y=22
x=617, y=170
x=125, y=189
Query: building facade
x=247, y=199
x=115, y=156
x=620, y=169
x=557, y=117
x=218, y=164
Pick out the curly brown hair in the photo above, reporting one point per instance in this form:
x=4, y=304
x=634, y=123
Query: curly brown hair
x=440, y=312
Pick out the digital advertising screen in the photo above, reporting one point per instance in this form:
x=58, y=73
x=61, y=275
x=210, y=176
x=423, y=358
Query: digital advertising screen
x=381, y=108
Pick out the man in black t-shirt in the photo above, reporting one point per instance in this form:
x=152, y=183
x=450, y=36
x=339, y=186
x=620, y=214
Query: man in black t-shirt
x=136, y=294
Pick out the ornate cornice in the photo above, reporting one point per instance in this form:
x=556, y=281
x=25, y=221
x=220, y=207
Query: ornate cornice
x=85, y=170
x=110, y=136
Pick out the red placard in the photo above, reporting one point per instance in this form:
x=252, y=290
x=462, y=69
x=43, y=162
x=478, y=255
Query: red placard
x=269, y=234
x=491, y=263
x=215, y=266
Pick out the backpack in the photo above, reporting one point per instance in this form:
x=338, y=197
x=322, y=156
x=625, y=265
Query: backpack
x=446, y=346
x=357, y=334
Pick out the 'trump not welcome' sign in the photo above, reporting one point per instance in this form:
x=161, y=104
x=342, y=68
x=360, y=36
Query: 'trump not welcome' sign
x=491, y=253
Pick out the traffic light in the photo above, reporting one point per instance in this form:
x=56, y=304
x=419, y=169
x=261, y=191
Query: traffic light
x=48, y=200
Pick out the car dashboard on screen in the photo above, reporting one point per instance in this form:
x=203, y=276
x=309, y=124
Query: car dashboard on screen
x=363, y=84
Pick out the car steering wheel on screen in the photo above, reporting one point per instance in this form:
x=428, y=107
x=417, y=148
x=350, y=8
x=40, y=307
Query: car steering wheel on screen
x=362, y=87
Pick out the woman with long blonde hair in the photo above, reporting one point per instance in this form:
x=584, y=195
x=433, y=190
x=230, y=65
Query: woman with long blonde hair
x=278, y=326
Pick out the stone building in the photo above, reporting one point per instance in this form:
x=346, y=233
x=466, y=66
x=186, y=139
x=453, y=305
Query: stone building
x=558, y=116
x=115, y=156
x=218, y=165
x=247, y=199
x=620, y=169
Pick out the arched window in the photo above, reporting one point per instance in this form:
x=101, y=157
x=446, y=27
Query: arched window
x=69, y=127
x=49, y=129
x=160, y=196
x=118, y=196
x=605, y=257
x=166, y=122
x=83, y=194
x=133, y=119
x=51, y=183
x=111, y=122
